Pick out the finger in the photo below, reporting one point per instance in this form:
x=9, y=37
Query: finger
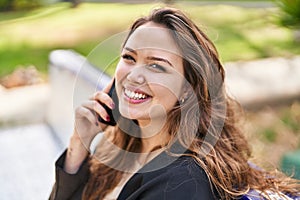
x=86, y=113
x=104, y=98
x=96, y=107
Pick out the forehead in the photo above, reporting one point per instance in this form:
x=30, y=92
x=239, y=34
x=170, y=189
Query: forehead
x=153, y=36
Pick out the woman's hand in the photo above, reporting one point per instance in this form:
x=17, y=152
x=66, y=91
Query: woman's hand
x=86, y=127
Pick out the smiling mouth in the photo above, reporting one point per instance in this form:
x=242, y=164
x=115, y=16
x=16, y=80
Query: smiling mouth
x=135, y=95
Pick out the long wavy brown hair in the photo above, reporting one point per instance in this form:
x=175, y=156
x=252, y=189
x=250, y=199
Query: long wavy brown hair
x=205, y=123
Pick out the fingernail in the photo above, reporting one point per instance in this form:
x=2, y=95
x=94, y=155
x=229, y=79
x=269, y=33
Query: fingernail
x=112, y=105
x=107, y=118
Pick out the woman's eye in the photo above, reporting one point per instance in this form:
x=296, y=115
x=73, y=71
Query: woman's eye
x=157, y=67
x=128, y=57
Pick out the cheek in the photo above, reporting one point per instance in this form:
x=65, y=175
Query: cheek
x=170, y=85
x=121, y=71
x=120, y=74
x=166, y=92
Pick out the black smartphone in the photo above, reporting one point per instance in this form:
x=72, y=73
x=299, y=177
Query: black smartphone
x=113, y=114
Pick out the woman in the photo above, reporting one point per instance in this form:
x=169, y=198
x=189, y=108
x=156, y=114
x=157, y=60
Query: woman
x=176, y=136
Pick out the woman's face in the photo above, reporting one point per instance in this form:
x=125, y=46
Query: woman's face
x=149, y=75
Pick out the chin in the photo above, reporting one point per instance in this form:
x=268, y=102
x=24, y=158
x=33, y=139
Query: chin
x=129, y=115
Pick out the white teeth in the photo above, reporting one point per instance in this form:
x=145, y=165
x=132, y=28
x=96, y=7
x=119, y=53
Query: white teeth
x=134, y=95
x=131, y=94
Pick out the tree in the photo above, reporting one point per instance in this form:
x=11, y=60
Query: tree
x=6, y=5
x=290, y=12
x=74, y=3
x=290, y=15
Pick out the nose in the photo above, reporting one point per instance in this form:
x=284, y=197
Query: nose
x=136, y=75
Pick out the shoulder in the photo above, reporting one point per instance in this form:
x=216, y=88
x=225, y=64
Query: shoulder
x=185, y=171
x=182, y=179
x=186, y=167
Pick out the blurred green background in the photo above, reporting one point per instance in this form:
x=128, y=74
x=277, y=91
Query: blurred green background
x=29, y=31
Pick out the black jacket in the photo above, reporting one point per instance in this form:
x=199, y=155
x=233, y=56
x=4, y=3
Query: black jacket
x=181, y=179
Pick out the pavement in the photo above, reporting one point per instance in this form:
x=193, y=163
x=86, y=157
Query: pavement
x=29, y=147
x=28, y=153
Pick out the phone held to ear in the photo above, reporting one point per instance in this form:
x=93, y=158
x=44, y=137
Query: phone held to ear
x=113, y=114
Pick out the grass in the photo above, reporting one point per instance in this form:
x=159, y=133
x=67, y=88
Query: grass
x=23, y=55
x=26, y=38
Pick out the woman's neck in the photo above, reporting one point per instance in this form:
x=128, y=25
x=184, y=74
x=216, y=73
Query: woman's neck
x=151, y=140
x=153, y=134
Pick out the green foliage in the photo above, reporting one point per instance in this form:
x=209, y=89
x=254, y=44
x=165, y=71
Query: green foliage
x=269, y=134
x=23, y=55
x=6, y=5
x=28, y=36
x=290, y=12
x=290, y=122
x=9, y=5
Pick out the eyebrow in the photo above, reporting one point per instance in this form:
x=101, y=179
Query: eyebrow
x=131, y=50
x=149, y=57
x=159, y=59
